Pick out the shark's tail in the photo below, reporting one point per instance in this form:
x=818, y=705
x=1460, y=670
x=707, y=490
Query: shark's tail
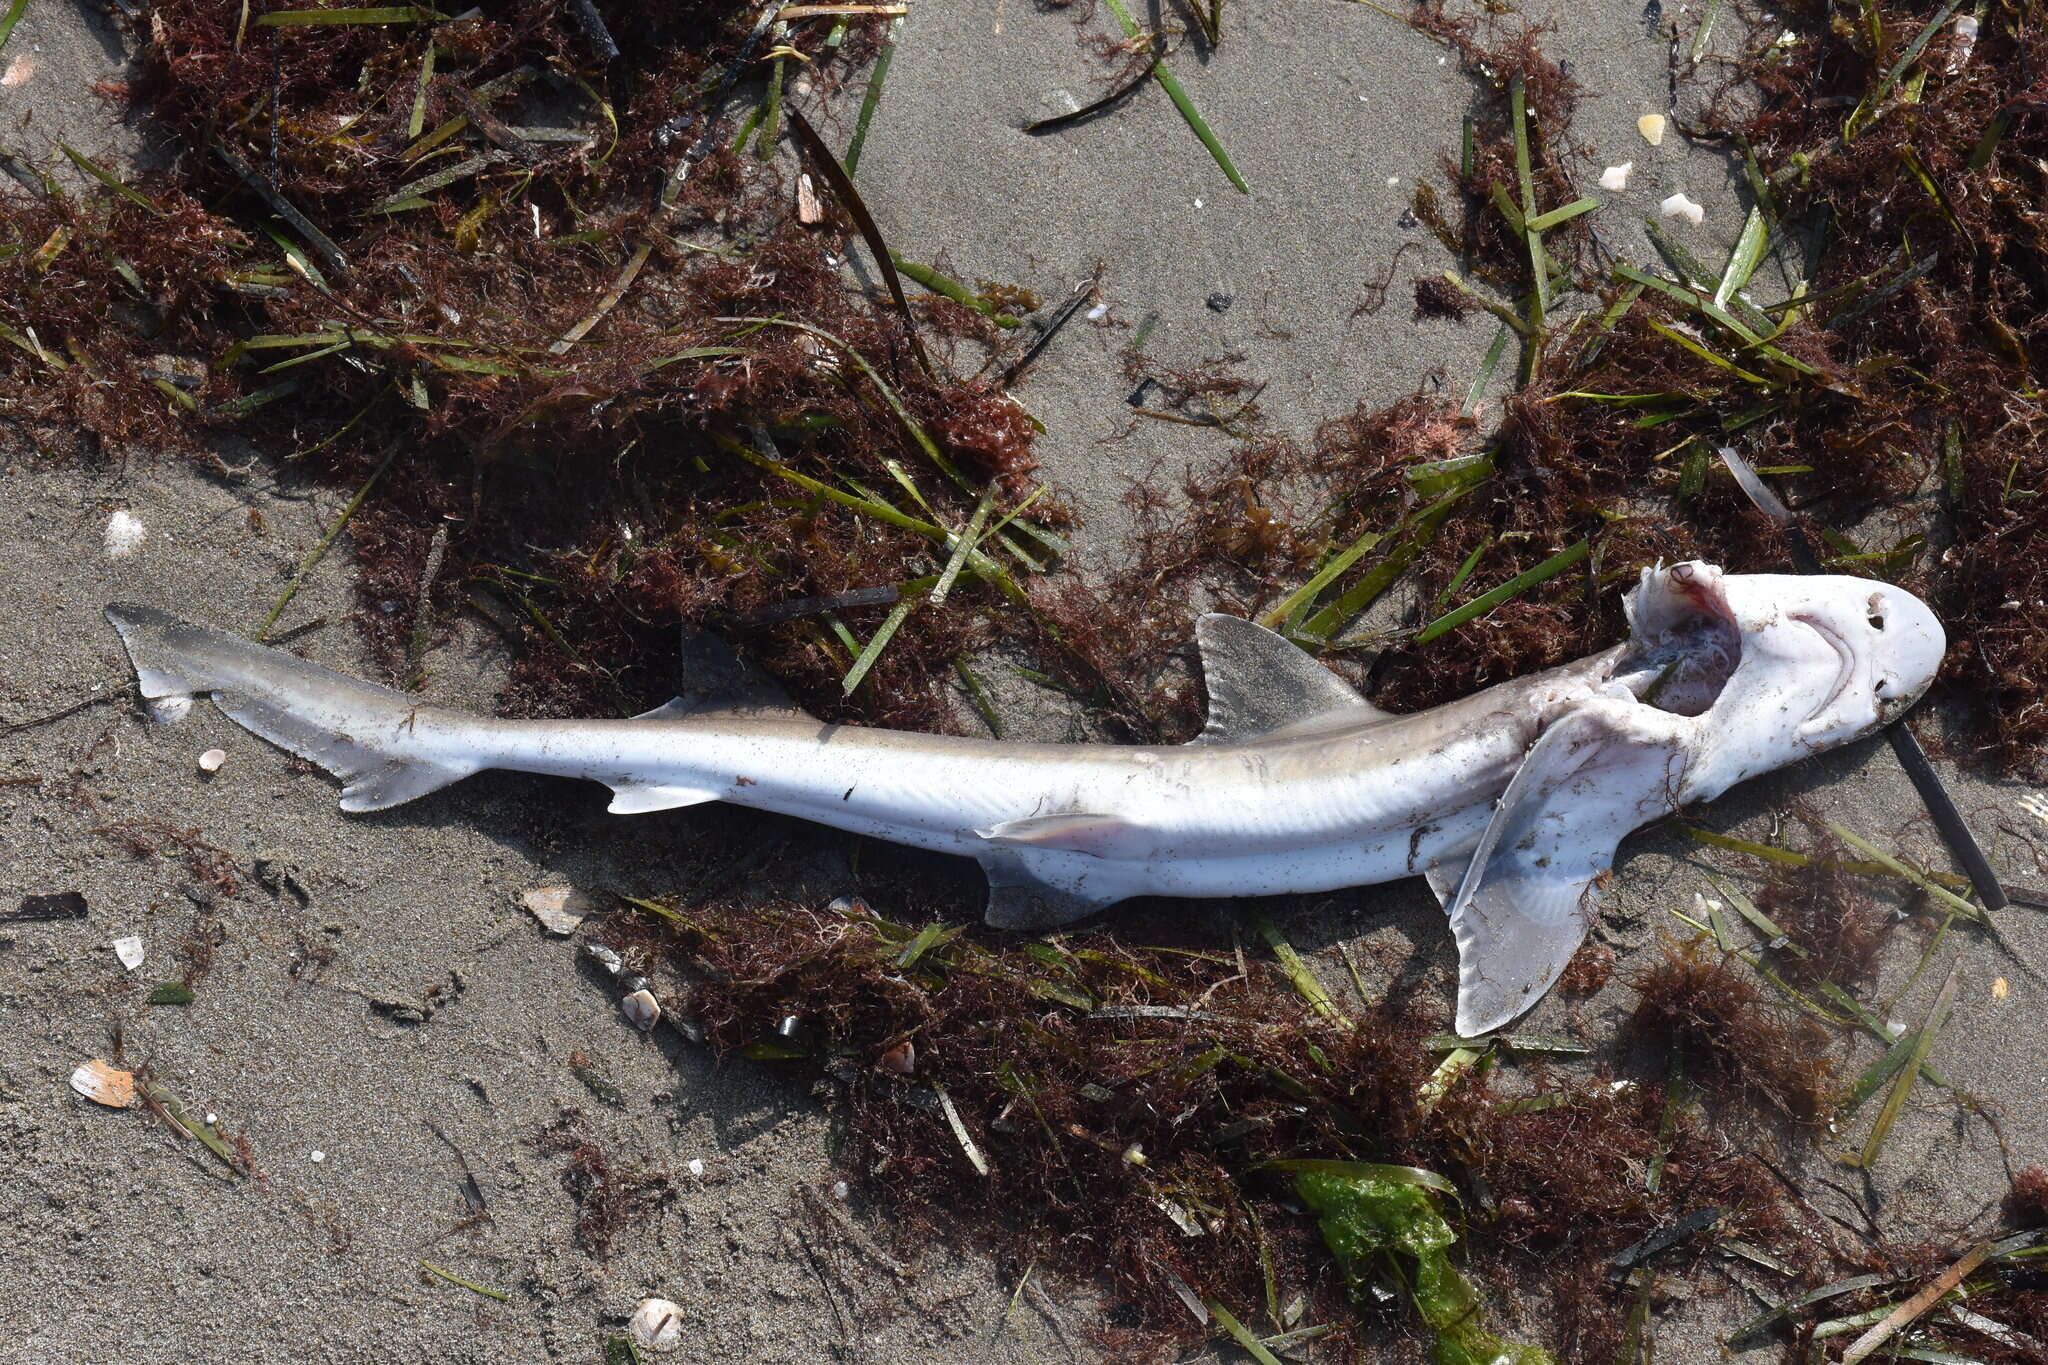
x=384, y=746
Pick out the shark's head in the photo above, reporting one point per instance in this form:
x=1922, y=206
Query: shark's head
x=1794, y=664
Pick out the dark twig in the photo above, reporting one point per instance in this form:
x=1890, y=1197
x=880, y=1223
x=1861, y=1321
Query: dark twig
x=423, y=609
x=105, y=694
x=1114, y=97
x=714, y=109
x=594, y=29
x=285, y=209
x=842, y=186
x=1962, y=844
x=885, y=596
x=472, y=1192
x=1083, y=292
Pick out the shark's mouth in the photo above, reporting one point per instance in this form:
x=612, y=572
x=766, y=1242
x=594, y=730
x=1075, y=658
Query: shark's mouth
x=1845, y=659
x=1684, y=643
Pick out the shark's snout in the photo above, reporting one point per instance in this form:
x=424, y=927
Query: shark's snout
x=1906, y=643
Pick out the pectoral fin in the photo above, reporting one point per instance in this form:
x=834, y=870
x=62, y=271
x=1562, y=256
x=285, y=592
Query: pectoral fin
x=1099, y=836
x=638, y=798
x=1526, y=900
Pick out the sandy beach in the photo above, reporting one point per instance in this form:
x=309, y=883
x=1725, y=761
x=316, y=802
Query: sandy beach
x=415, y=1065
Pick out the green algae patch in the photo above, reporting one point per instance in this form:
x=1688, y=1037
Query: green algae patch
x=1370, y=1212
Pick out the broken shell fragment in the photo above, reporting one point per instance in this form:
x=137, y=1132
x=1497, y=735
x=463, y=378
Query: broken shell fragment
x=657, y=1325
x=560, y=908
x=210, y=761
x=901, y=1059
x=1616, y=177
x=1651, y=126
x=642, y=1009
x=809, y=211
x=1678, y=206
x=1054, y=104
x=103, y=1084
x=125, y=534
x=130, y=950
x=1962, y=44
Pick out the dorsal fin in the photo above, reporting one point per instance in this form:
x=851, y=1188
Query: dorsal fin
x=715, y=681
x=1259, y=682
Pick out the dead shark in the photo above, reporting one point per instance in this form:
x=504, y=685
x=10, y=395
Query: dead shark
x=1511, y=802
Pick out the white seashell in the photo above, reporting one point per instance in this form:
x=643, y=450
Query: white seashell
x=210, y=761
x=657, y=1326
x=695, y=1167
x=125, y=534
x=1966, y=27
x=1678, y=206
x=316, y=1156
x=642, y=1009
x=1616, y=177
x=1651, y=126
x=168, y=710
x=130, y=951
x=103, y=1084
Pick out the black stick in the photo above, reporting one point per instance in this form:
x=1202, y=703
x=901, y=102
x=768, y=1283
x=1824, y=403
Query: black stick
x=1955, y=832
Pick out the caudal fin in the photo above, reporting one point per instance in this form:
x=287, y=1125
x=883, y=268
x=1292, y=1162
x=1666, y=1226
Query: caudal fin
x=380, y=743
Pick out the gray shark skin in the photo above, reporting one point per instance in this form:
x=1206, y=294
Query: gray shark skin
x=1511, y=801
